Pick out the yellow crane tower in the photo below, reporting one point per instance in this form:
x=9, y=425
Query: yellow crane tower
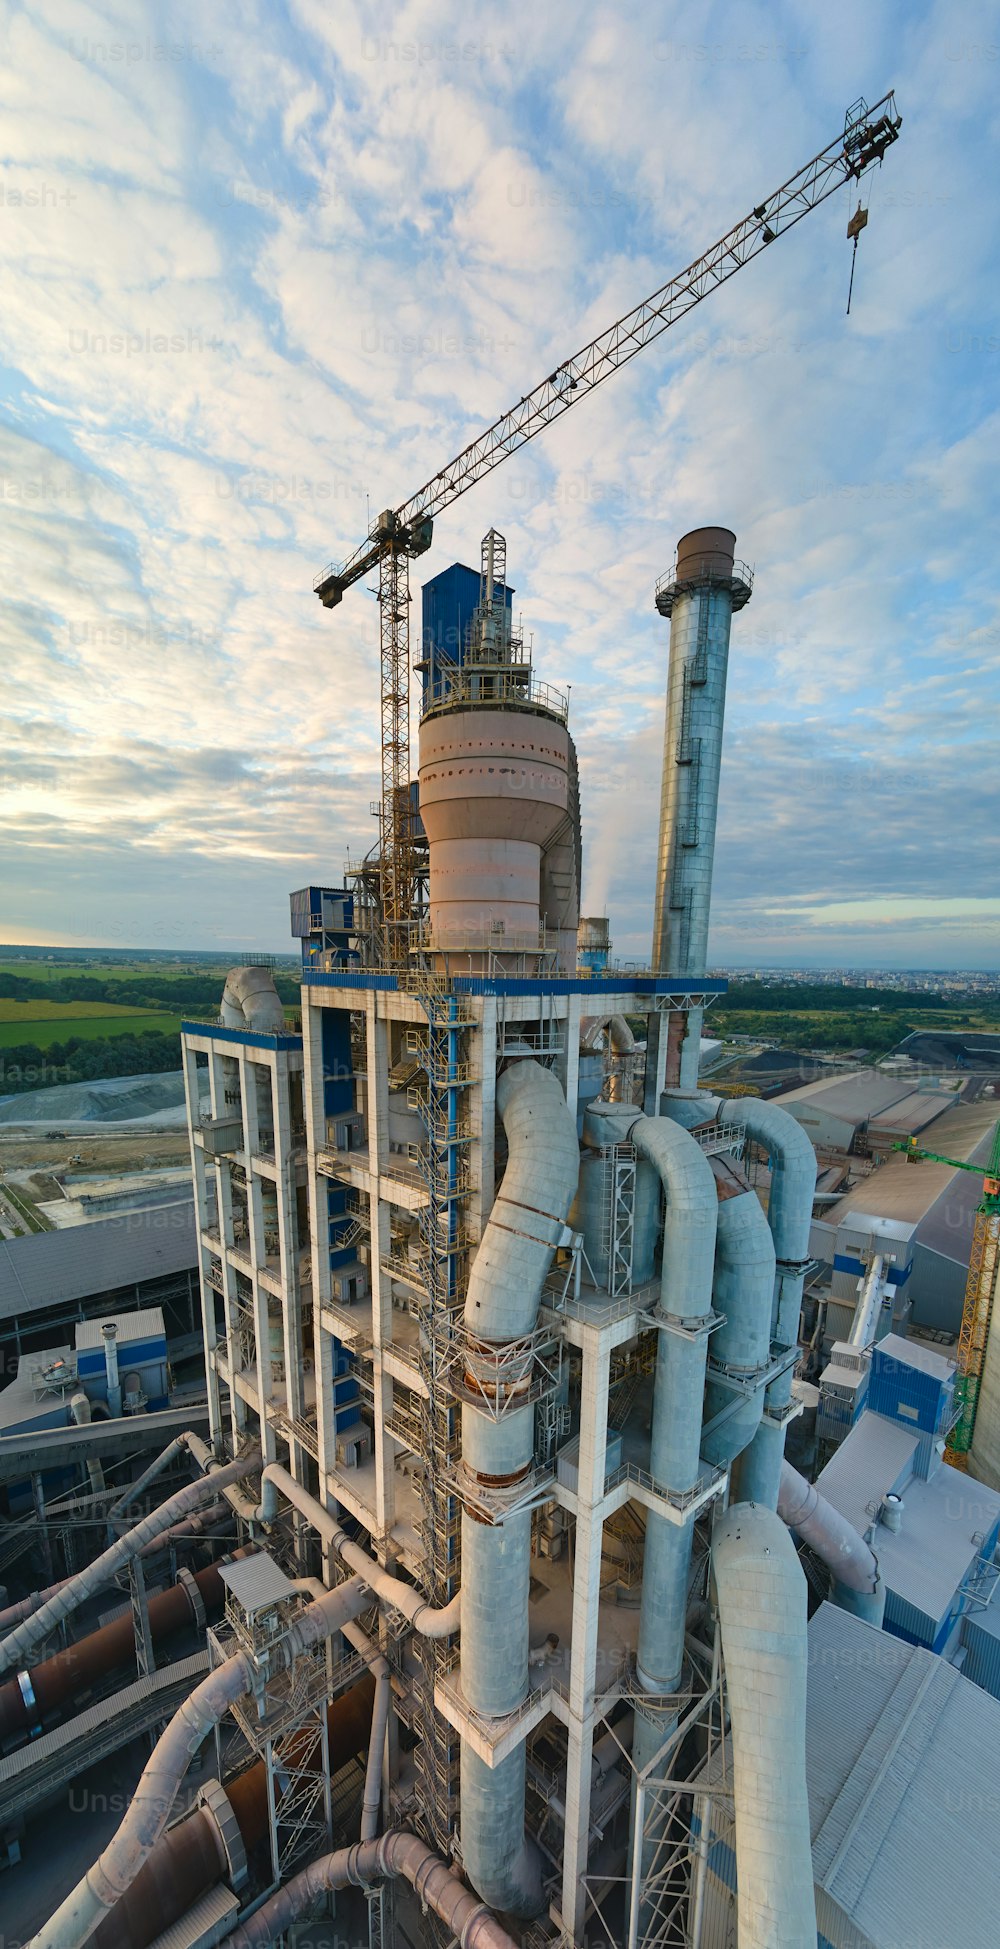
x=980, y=1292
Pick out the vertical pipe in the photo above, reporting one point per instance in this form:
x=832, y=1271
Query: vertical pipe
x=699, y=596
x=110, y=1333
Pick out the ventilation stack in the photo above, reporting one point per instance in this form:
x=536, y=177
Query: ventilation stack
x=699, y=594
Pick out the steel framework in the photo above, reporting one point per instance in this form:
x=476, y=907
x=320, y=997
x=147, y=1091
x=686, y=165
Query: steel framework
x=406, y=531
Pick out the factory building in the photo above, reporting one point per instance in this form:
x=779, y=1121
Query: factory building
x=500, y=1344
x=903, y=1775
x=141, y=1258
x=867, y=1111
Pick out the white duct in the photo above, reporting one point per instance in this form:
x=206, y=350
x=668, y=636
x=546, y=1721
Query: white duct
x=857, y=1584
x=149, y=1810
x=527, y=1222
x=431, y=1623
x=761, y=1595
x=382, y=1674
x=17, y=1647
x=79, y=1407
x=250, y=1000
x=401, y=1854
x=869, y=1305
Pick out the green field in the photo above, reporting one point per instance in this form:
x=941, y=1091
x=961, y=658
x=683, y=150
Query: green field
x=62, y=1022
x=39, y=1011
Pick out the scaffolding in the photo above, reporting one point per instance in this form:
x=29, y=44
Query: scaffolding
x=442, y=1265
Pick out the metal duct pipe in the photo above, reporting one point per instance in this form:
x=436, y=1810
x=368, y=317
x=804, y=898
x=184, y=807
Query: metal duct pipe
x=109, y=1333
x=857, y=1584
x=149, y=1810
x=55, y=1683
x=686, y=1281
x=191, y=1526
x=180, y=1446
x=18, y=1646
x=792, y=1163
x=866, y=1312
x=430, y=1622
x=79, y=1407
x=761, y=1594
x=402, y=1854
x=250, y=1000
x=526, y=1224
x=191, y=1857
x=699, y=596
x=743, y=1290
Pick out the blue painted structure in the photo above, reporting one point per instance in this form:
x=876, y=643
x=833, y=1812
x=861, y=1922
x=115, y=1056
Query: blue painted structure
x=448, y=603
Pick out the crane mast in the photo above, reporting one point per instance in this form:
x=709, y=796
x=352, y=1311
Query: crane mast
x=402, y=533
x=980, y=1292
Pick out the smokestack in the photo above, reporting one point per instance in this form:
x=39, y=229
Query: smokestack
x=110, y=1332
x=699, y=594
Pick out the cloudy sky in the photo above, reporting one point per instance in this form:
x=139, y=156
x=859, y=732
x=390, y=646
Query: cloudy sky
x=268, y=266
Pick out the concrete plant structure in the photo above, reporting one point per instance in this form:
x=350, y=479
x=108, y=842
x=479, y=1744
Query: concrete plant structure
x=500, y=1344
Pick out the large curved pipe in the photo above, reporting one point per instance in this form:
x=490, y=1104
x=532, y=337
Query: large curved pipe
x=526, y=1224
x=17, y=1647
x=191, y=1857
x=192, y=1526
x=395, y=1854
x=866, y=1313
x=743, y=1291
x=53, y=1684
x=789, y=1215
x=430, y=1622
x=857, y=1584
x=250, y=1000
x=762, y=1612
x=149, y=1810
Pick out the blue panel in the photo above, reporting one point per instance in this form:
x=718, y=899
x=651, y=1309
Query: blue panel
x=338, y=1072
x=131, y=1353
x=896, y=1275
x=893, y=1386
x=448, y=603
x=612, y=984
x=253, y=1038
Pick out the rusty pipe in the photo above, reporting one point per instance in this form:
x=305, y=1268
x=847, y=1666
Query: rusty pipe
x=190, y=1858
x=57, y=1681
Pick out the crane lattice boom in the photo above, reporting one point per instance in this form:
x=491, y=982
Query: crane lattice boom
x=406, y=531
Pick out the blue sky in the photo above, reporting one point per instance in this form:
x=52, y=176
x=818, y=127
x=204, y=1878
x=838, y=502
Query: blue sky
x=265, y=266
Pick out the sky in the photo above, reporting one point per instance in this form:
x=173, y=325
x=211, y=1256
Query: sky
x=266, y=268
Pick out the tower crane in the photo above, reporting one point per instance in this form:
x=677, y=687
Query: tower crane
x=980, y=1291
x=400, y=534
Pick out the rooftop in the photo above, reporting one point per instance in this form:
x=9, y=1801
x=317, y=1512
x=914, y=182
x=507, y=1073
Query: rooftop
x=944, y=1520
x=50, y=1268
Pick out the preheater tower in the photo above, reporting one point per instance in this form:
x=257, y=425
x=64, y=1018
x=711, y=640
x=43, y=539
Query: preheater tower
x=699, y=594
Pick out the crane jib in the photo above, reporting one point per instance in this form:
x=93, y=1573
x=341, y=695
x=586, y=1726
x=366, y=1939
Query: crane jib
x=867, y=134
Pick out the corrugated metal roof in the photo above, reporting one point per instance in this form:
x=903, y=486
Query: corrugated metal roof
x=914, y=1112
x=52, y=1267
x=866, y=1466
x=256, y=1581
x=146, y=1324
x=859, y=1095
x=903, y=1767
x=927, y=1560
x=913, y=1353
x=900, y=1189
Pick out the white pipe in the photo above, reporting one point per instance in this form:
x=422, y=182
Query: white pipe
x=250, y=1000
x=79, y=1407
x=400, y=1854
x=836, y=1542
x=191, y=1526
x=17, y=1647
x=149, y=1809
x=866, y=1313
x=430, y=1622
x=109, y=1333
x=762, y=1612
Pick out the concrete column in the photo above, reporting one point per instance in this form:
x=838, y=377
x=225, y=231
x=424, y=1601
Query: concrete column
x=586, y=1621
x=206, y=1293
x=657, y=1040
x=570, y=1061
x=482, y=1043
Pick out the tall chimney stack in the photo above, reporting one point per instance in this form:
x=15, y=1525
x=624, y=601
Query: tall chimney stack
x=699, y=594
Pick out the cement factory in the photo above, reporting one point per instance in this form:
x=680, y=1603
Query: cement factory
x=481, y=1603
